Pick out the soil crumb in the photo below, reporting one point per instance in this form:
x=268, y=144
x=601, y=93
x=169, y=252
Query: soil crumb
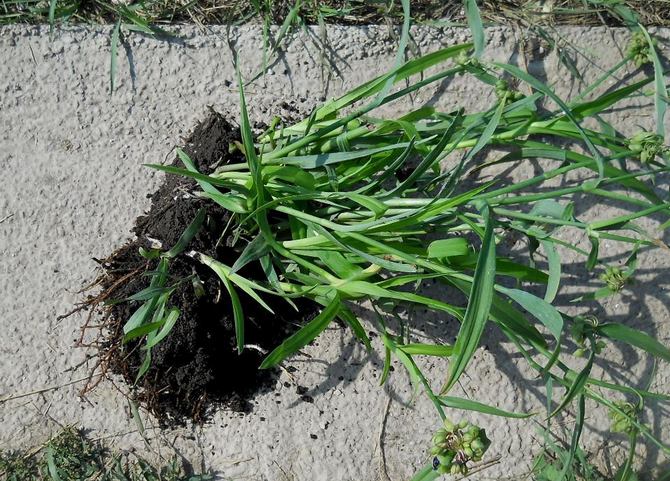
x=196, y=367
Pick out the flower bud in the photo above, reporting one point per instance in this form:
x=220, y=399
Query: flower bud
x=445, y=458
x=439, y=437
x=477, y=444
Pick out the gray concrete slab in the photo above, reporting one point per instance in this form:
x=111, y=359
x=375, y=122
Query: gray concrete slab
x=73, y=183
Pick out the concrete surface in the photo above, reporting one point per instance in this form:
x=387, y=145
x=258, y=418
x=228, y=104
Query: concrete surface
x=73, y=183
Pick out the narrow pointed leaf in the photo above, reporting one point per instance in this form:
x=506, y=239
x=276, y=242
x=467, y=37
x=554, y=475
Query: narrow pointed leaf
x=304, y=336
x=479, y=305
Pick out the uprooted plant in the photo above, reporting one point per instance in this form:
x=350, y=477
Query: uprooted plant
x=344, y=206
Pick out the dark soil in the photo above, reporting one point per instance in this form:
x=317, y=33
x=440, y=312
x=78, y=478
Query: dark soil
x=197, y=366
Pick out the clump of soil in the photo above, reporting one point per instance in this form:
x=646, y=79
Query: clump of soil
x=197, y=366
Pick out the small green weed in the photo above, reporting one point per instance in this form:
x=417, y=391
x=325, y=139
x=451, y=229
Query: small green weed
x=71, y=456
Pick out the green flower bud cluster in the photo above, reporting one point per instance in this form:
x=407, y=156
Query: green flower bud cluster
x=454, y=445
x=639, y=49
x=621, y=422
x=463, y=59
x=614, y=277
x=647, y=145
x=583, y=329
x=505, y=94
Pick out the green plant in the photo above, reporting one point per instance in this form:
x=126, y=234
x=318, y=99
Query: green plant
x=154, y=320
x=344, y=206
x=72, y=456
x=454, y=445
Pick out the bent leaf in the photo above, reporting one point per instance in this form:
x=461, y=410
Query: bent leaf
x=304, y=336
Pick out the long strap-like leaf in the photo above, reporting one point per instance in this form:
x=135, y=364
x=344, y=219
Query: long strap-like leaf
x=479, y=305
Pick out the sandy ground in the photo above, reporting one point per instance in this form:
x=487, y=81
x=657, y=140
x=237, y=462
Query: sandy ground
x=73, y=183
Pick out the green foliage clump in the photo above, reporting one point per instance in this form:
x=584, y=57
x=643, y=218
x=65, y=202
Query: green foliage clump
x=71, y=456
x=647, y=146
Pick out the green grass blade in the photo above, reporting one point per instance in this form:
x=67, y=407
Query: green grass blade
x=143, y=330
x=574, y=443
x=188, y=234
x=305, y=335
x=537, y=85
x=479, y=305
x=417, y=349
x=456, y=246
x=554, y=261
x=619, y=332
x=476, y=27
x=577, y=386
x=113, y=57
x=661, y=93
x=468, y=405
x=194, y=174
x=539, y=308
x=52, y=16
x=253, y=251
x=168, y=323
x=238, y=313
x=593, y=107
x=347, y=316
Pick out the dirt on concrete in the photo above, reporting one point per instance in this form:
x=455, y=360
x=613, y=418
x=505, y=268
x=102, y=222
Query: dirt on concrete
x=197, y=365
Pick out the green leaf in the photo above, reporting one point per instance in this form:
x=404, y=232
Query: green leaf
x=144, y=368
x=479, y=305
x=234, y=203
x=238, y=313
x=375, y=206
x=230, y=202
x=139, y=317
x=554, y=261
x=253, y=251
x=337, y=263
x=347, y=316
x=661, y=94
x=476, y=27
x=168, y=323
x=192, y=173
x=305, y=335
x=574, y=443
x=188, y=234
x=149, y=293
x=577, y=386
x=439, y=350
x=456, y=246
x=224, y=272
x=619, y=332
x=51, y=464
x=114, y=53
x=537, y=85
x=468, y=405
x=143, y=330
x=539, y=308
x=52, y=16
